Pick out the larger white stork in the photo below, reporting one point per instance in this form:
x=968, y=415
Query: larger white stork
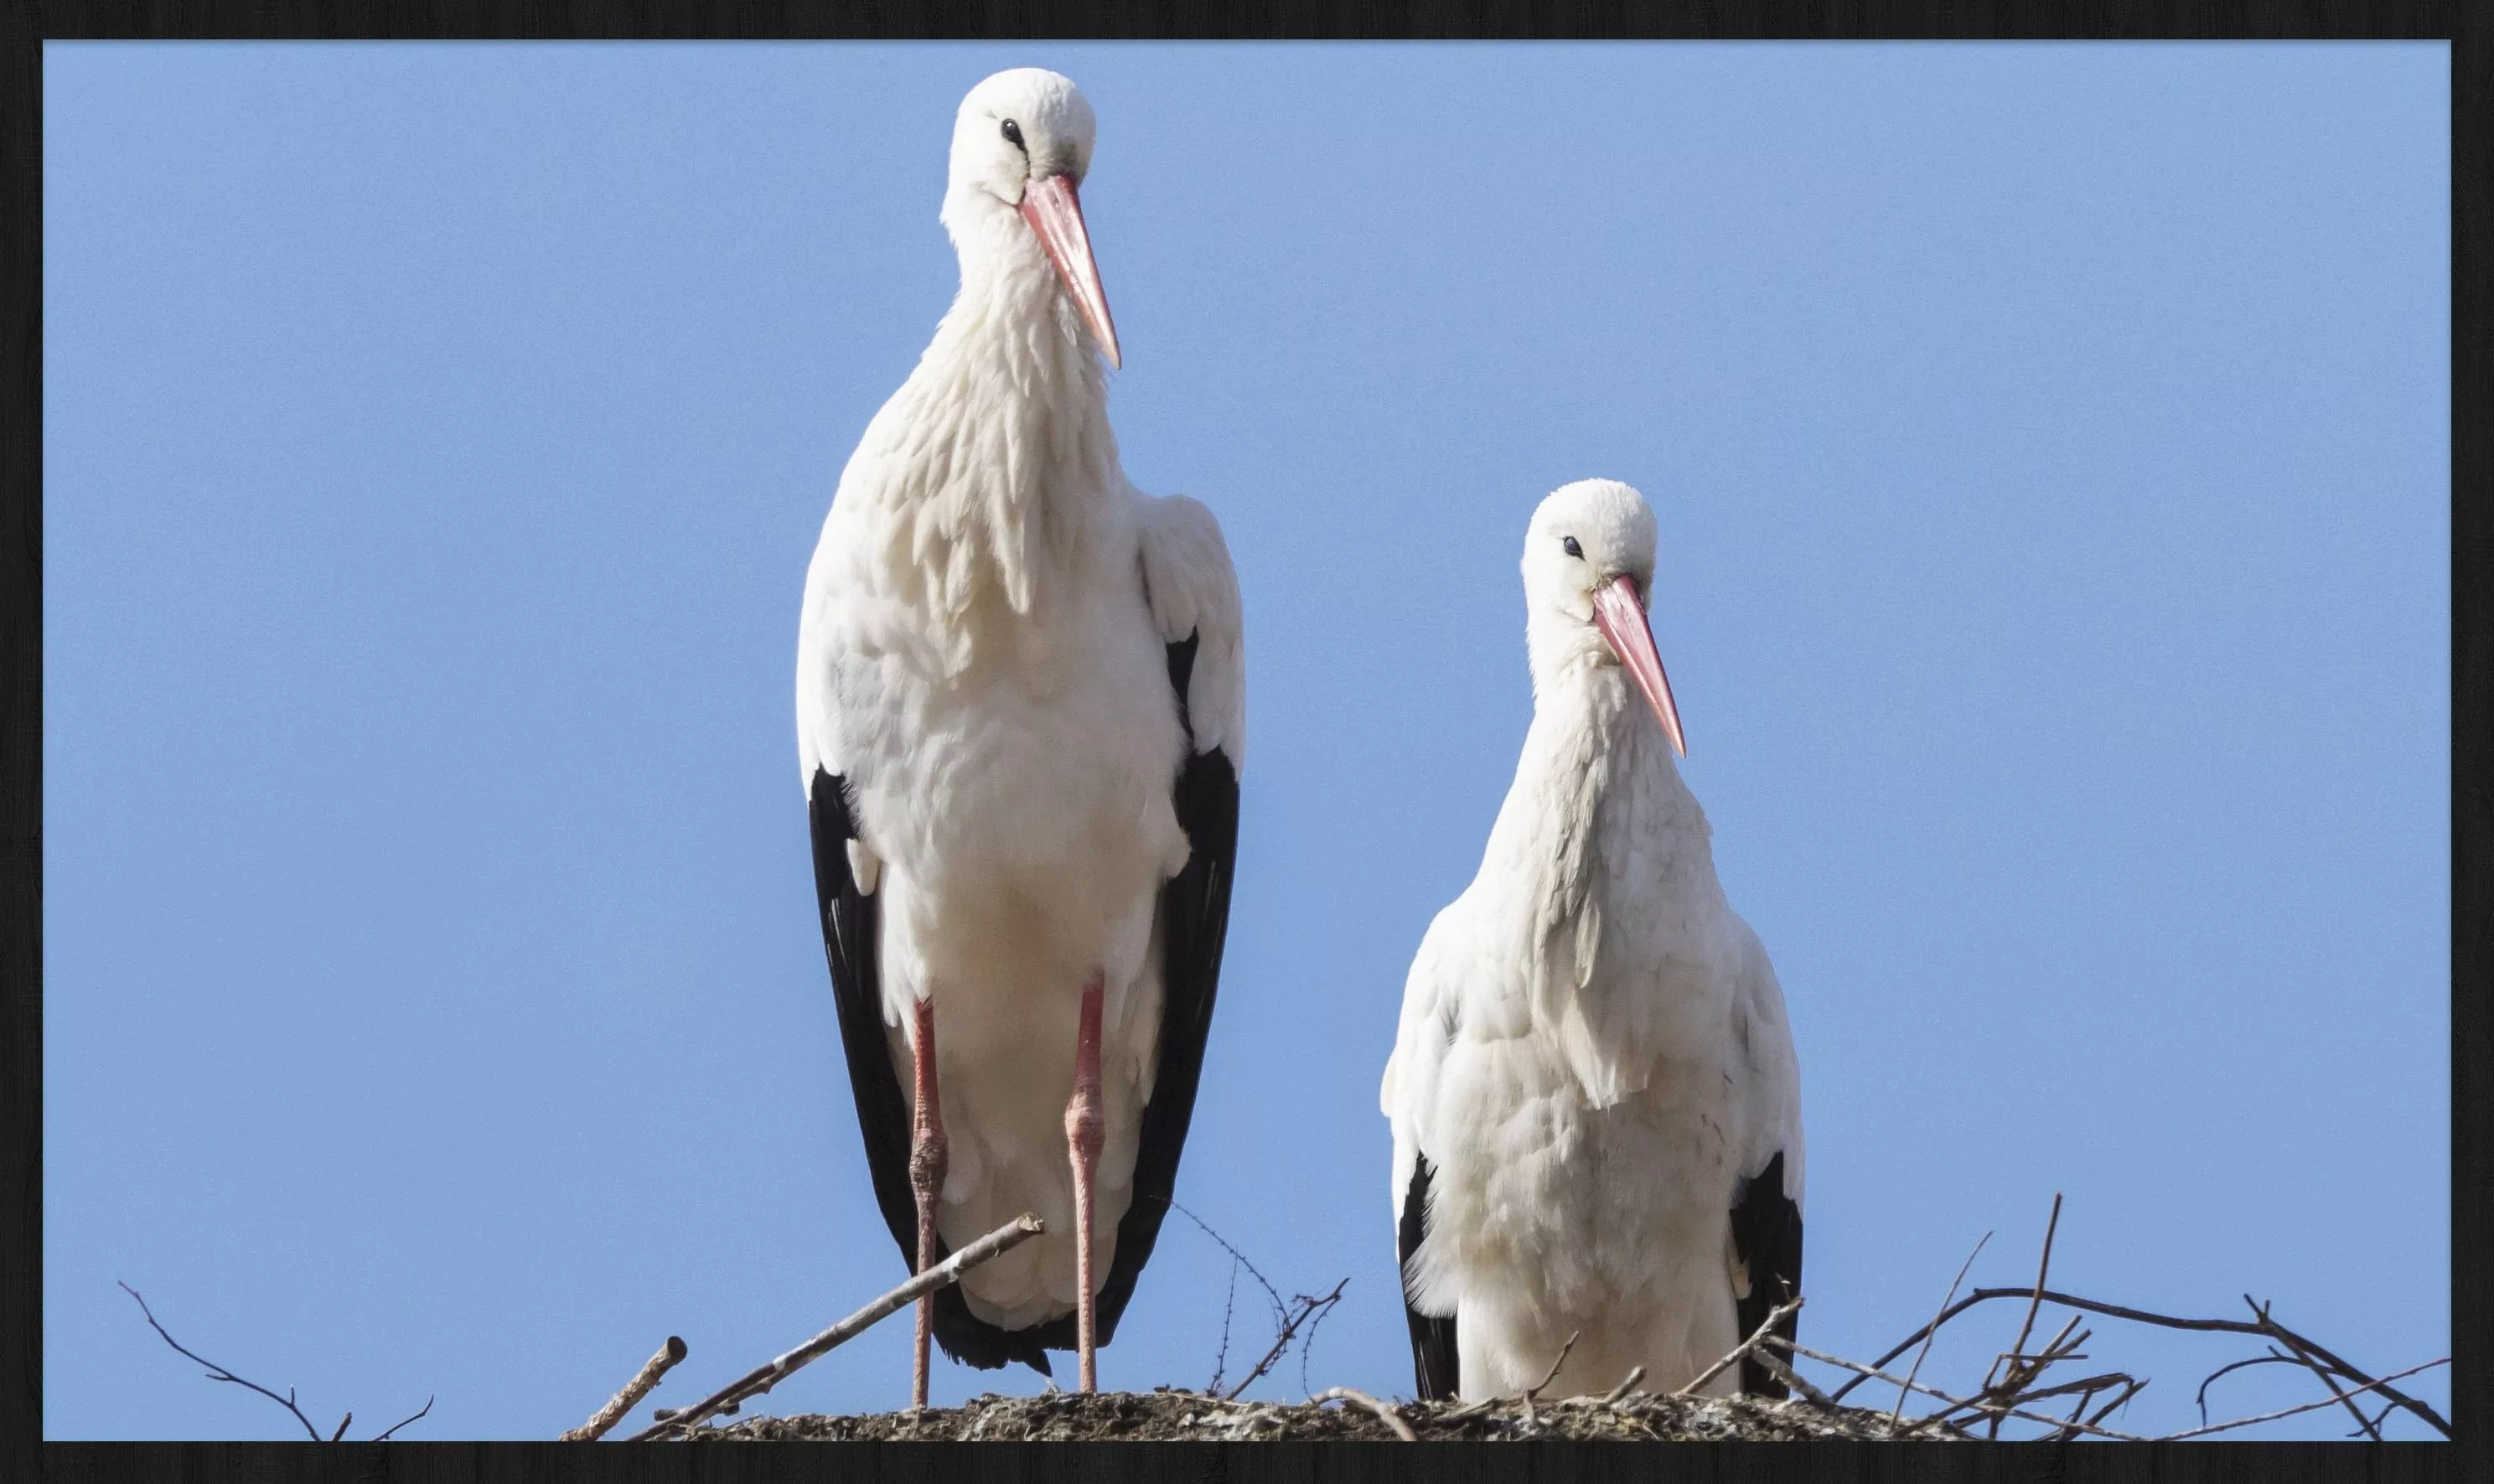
x=1595, y=1108
x=1019, y=720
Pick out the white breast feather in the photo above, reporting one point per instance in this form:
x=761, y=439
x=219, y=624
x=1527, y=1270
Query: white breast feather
x=1589, y=998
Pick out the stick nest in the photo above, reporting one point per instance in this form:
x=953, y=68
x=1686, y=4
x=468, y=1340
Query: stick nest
x=1193, y=1416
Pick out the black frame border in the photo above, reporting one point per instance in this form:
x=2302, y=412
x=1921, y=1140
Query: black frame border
x=2472, y=539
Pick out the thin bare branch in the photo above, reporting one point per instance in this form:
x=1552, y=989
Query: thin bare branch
x=640, y=1385
x=1945, y=1300
x=1362, y=1399
x=1775, y=1316
x=1552, y=1375
x=2018, y=1382
x=1636, y=1374
x=2117, y=1403
x=1547, y=1376
x=763, y=1378
x=218, y=1373
x=2273, y=1357
x=1874, y=1373
x=2090, y=1384
x=2016, y=1373
x=1240, y=1257
x=2042, y=1269
x=2018, y=1388
x=1221, y=1356
x=2328, y=1382
x=415, y=1415
x=1308, y=1341
x=2077, y=1410
x=1281, y=1313
x=1791, y=1378
x=2328, y=1400
x=1307, y=1307
x=2269, y=1329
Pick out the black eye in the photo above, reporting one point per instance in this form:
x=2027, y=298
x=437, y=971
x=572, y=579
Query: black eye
x=1573, y=550
x=1013, y=133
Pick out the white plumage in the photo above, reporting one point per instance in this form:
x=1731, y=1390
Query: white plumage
x=1593, y=1061
x=984, y=679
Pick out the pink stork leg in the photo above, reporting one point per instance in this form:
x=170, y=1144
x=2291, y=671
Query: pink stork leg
x=1082, y=1134
x=927, y=1160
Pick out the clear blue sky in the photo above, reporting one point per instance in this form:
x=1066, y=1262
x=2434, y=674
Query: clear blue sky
x=2051, y=449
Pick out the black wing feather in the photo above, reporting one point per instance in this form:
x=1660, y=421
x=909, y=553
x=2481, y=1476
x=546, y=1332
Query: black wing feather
x=1434, y=1368
x=1193, y=923
x=1766, y=1233
x=852, y=925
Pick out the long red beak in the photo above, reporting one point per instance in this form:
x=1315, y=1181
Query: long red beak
x=1619, y=614
x=1053, y=210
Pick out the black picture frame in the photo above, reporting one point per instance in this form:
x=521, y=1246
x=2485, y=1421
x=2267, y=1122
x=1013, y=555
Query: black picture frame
x=29, y=25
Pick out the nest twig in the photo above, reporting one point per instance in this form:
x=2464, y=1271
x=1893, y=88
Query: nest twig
x=2014, y=1381
x=1303, y=1308
x=770, y=1373
x=623, y=1400
x=1369, y=1404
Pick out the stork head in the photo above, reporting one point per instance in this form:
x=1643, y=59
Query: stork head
x=1588, y=566
x=1021, y=145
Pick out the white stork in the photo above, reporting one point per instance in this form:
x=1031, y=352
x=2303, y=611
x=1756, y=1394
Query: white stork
x=1019, y=721
x=1595, y=1108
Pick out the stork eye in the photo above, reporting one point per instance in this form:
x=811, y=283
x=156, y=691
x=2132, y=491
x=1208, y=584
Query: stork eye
x=1573, y=550
x=1013, y=136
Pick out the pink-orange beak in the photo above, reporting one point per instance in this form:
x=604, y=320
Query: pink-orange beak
x=1620, y=613
x=1053, y=211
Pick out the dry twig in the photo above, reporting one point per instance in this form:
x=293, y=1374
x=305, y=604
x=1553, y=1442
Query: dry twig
x=2303, y=1356
x=1899, y=1411
x=2273, y=1356
x=2265, y=1326
x=1238, y=1261
x=383, y=1435
x=1362, y=1399
x=2010, y=1385
x=1636, y=1374
x=1874, y=1373
x=1547, y=1376
x=2020, y=1373
x=2130, y=1389
x=1775, y=1316
x=1221, y=1356
x=763, y=1378
x=1552, y=1375
x=218, y=1373
x=2378, y=1386
x=1307, y=1307
x=623, y=1400
x=1308, y=1341
x=1791, y=1378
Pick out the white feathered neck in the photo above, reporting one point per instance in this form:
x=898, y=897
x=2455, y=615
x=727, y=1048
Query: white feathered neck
x=1596, y=772
x=990, y=475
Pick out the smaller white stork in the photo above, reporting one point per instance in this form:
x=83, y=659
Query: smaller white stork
x=1596, y=1105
